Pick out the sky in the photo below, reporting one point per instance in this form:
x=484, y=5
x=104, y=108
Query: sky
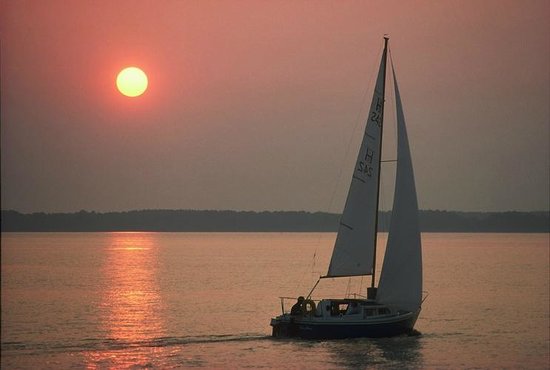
x=257, y=105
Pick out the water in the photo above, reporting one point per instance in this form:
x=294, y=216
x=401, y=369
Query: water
x=185, y=300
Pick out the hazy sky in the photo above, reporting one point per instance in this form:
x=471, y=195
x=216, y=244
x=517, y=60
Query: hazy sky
x=256, y=105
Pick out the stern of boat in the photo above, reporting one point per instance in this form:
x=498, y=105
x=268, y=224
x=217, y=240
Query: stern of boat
x=284, y=327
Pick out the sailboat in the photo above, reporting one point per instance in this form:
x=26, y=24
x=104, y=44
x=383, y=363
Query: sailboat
x=392, y=307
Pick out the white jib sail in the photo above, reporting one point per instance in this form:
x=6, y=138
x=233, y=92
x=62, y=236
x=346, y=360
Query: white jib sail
x=354, y=247
x=401, y=278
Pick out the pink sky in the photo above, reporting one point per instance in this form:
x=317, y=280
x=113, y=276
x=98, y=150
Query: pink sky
x=251, y=104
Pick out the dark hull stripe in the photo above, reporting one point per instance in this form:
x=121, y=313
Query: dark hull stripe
x=340, y=330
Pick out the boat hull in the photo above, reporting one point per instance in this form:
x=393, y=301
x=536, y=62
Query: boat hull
x=287, y=326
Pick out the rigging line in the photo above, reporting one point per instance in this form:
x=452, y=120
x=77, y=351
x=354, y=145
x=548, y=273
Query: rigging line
x=317, y=244
x=313, y=264
x=300, y=283
x=348, y=288
x=358, y=120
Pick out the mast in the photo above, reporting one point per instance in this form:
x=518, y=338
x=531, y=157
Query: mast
x=371, y=292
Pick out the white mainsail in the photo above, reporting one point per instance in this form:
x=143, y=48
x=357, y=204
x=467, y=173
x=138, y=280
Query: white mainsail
x=355, y=243
x=401, y=278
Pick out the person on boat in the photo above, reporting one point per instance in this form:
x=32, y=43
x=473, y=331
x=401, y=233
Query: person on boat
x=334, y=309
x=353, y=308
x=297, y=309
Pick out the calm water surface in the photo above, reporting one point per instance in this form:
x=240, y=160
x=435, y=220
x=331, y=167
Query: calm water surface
x=184, y=300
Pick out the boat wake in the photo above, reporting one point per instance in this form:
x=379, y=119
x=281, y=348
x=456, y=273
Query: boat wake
x=102, y=344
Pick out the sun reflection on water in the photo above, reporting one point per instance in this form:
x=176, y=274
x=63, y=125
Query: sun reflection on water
x=131, y=304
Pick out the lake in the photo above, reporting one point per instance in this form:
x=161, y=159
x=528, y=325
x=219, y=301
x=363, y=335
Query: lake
x=204, y=300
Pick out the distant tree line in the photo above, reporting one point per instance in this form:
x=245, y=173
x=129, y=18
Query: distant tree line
x=247, y=221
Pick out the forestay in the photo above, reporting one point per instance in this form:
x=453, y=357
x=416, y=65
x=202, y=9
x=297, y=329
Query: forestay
x=355, y=243
x=401, y=279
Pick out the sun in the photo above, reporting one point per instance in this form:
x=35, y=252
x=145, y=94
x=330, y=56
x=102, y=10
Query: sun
x=132, y=82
